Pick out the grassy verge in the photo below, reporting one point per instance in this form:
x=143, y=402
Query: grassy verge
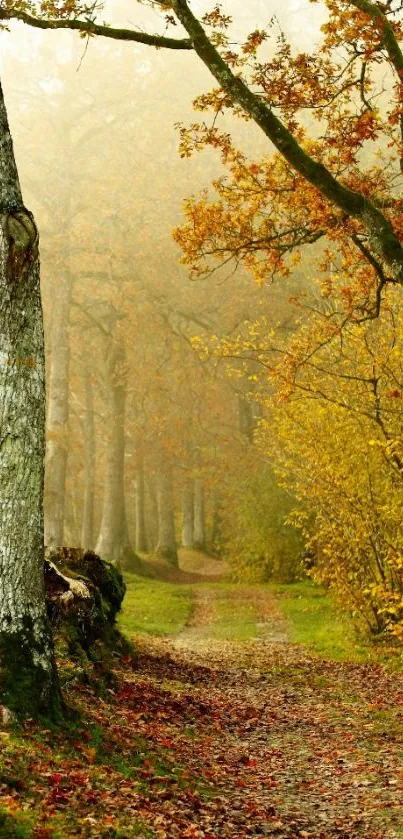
x=234, y=617
x=152, y=607
x=315, y=621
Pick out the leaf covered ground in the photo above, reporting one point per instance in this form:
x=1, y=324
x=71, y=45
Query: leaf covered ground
x=226, y=729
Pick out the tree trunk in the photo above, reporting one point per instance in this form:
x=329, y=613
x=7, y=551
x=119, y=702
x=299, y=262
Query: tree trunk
x=113, y=542
x=245, y=417
x=87, y=530
x=28, y=681
x=188, y=514
x=199, y=520
x=141, y=534
x=58, y=416
x=152, y=515
x=215, y=541
x=166, y=547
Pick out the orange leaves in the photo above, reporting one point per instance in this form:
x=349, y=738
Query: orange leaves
x=216, y=18
x=253, y=41
x=335, y=95
x=259, y=213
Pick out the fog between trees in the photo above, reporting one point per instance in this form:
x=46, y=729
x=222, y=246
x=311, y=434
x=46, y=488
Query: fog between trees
x=210, y=410
x=146, y=441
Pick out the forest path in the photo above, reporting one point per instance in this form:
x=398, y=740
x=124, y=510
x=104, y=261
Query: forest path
x=271, y=741
x=220, y=730
x=232, y=613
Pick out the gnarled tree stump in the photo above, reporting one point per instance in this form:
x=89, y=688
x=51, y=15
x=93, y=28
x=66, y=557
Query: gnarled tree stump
x=83, y=594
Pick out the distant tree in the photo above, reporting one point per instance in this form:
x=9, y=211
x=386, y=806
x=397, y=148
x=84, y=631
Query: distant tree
x=113, y=541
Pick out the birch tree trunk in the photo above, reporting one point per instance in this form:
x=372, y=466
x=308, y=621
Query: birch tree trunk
x=166, y=547
x=87, y=530
x=188, y=514
x=28, y=681
x=58, y=416
x=113, y=541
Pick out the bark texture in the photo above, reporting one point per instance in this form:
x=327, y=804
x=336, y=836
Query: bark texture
x=28, y=682
x=83, y=595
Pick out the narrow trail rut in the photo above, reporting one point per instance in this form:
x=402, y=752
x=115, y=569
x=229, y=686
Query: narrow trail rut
x=271, y=625
x=275, y=742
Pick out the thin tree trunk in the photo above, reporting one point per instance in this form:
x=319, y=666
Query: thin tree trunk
x=166, y=547
x=141, y=534
x=113, y=541
x=87, y=531
x=28, y=681
x=245, y=417
x=199, y=516
x=58, y=416
x=216, y=525
x=152, y=515
x=188, y=514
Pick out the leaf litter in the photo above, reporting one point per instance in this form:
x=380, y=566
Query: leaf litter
x=208, y=739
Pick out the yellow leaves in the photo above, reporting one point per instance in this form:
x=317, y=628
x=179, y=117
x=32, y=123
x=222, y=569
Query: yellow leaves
x=334, y=430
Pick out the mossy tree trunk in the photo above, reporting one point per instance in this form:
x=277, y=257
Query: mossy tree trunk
x=28, y=681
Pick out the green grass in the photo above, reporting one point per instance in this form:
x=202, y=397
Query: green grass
x=234, y=619
x=15, y=826
x=152, y=607
x=315, y=621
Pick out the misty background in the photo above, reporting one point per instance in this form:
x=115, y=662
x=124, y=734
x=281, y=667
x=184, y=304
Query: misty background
x=150, y=443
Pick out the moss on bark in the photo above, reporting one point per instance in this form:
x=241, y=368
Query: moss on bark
x=28, y=679
x=84, y=621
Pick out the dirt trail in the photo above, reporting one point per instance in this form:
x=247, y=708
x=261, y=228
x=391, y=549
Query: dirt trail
x=198, y=634
x=275, y=742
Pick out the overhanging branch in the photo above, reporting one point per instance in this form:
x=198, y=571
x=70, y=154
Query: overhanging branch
x=381, y=233
x=89, y=28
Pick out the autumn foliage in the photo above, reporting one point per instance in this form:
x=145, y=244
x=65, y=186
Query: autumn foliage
x=331, y=390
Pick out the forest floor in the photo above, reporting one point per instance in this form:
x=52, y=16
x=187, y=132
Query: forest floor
x=224, y=727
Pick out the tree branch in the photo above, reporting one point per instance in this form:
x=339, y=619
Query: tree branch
x=90, y=28
x=390, y=43
x=383, y=238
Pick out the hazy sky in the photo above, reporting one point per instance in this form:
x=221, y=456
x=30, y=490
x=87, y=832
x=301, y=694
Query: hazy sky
x=141, y=93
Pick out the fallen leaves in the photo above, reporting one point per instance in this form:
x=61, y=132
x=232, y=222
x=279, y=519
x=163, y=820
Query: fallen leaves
x=219, y=741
